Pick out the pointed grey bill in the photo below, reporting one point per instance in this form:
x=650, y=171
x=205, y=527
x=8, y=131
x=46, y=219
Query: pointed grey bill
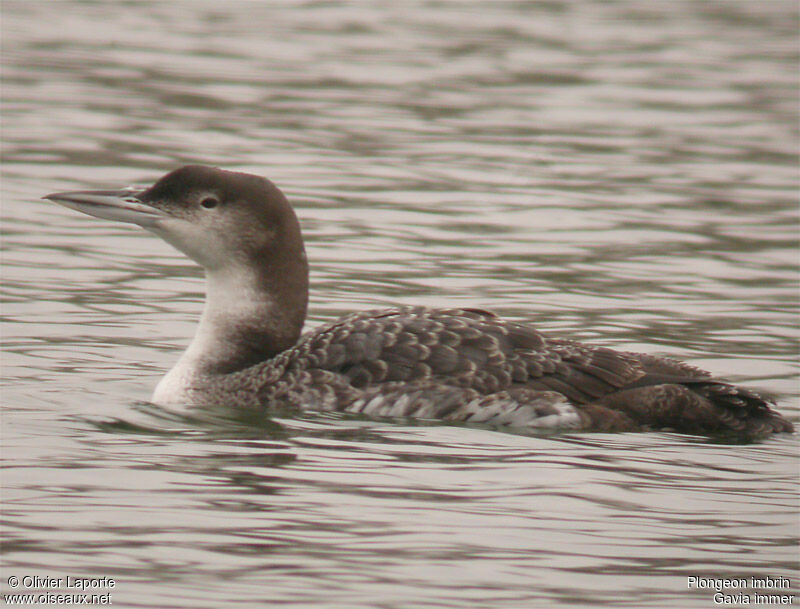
x=117, y=205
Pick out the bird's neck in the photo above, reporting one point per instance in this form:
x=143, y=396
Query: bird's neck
x=250, y=315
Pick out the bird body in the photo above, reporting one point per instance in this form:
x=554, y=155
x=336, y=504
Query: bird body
x=454, y=365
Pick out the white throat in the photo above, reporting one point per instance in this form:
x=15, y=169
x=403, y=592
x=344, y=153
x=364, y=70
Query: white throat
x=232, y=305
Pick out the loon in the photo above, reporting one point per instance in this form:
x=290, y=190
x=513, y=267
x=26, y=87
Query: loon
x=454, y=365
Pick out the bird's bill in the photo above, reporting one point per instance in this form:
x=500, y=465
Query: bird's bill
x=116, y=205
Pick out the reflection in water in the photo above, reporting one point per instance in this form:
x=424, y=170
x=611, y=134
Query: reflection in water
x=623, y=173
x=323, y=502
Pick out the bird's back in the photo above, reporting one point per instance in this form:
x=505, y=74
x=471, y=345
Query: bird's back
x=468, y=365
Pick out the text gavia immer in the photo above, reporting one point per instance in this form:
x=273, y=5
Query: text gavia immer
x=458, y=365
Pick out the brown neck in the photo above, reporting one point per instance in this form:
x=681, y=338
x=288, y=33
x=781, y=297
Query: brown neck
x=250, y=316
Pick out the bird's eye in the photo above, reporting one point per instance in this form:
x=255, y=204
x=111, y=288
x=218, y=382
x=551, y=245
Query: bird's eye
x=209, y=202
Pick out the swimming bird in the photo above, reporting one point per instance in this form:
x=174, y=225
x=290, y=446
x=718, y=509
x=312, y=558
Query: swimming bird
x=456, y=365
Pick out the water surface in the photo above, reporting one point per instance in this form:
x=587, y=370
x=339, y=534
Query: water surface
x=624, y=173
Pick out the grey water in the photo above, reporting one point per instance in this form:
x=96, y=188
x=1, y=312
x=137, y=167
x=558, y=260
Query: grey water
x=625, y=173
